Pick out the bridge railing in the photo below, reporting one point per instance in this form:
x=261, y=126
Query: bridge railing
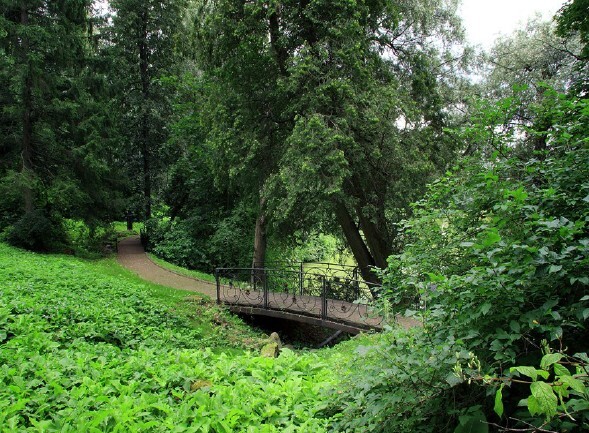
x=328, y=269
x=329, y=296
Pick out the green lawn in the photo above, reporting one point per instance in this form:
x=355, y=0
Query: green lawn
x=121, y=228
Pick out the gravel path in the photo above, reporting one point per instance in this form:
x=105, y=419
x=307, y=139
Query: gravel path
x=132, y=256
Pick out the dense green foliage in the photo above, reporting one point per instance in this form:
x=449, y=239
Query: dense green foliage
x=572, y=19
x=244, y=132
x=201, y=242
x=87, y=347
x=142, y=48
x=497, y=256
x=53, y=158
x=302, y=110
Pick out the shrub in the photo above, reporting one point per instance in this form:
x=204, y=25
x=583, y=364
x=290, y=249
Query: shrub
x=37, y=232
x=173, y=241
x=90, y=241
x=498, y=255
x=401, y=381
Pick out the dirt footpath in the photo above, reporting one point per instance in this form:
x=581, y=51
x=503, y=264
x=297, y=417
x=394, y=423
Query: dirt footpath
x=132, y=256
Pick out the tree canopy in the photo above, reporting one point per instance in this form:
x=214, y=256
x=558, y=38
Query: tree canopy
x=310, y=112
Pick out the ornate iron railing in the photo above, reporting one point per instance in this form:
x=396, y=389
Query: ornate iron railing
x=332, y=295
x=319, y=268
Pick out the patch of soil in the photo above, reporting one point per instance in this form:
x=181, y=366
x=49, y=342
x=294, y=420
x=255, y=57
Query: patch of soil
x=132, y=256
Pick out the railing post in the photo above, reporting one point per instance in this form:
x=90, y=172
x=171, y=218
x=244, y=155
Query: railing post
x=218, y=281
x=301, y=279
x=265, y=288
x=324, y=298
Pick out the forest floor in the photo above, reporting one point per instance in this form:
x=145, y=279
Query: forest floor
x=132, y=256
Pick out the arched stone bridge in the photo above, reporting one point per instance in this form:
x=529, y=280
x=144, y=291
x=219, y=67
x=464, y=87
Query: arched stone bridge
x=322, y=294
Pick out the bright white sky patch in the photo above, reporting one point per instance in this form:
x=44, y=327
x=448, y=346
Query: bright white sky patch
x=485, y=20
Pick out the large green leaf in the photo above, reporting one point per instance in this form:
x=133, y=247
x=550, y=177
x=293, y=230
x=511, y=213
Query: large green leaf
x=472, y=423
x=549, y=359
x=498, y=408
x=545, y=398
x=573, y=383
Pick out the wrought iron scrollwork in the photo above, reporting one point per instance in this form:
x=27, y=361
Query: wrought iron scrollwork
x=331, y=292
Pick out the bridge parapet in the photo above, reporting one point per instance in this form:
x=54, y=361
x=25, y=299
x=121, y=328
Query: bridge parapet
x=333, y=295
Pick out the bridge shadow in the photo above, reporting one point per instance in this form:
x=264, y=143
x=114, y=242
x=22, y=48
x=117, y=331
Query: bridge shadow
x=296, y=334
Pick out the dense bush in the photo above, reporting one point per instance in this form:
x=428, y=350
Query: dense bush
x=232, y=242
x=90, y=241
x=497, y=254
x=38, y=232
x=173, y=241
x=501, y=249
x=194, y=243
x=400, y=381
x=10, y=199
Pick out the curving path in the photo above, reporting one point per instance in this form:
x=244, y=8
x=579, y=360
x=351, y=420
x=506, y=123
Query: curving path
x=132, y=256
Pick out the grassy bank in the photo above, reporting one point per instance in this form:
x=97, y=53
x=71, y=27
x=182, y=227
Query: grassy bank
x=86, y=346
x=180, y=270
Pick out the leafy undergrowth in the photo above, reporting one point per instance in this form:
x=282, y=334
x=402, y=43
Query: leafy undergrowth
x=120, y=227
x=87, y=347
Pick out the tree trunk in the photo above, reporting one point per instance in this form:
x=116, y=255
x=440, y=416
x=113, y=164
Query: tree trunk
x=279, y=51
x=308, y=32
x=260, y=238
x=146, y=174
x=145, y=130
x=357, y=245
x=260, y=243
x=27, y=122
x=374, y=238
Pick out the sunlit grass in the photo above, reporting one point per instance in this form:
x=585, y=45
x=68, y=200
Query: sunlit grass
x=120, y=228
x=182, y=271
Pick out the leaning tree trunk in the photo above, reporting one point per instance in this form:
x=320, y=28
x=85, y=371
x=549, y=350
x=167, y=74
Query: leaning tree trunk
x=356, y=243
x=377, y=243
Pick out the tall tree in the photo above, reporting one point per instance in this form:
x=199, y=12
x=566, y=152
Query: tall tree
x=337, y=107
x=144, y=38
x=44, y=46
x=573, y=21
x=244, y=107
x=53, y=118
x=573, y=18
x=522, y=67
